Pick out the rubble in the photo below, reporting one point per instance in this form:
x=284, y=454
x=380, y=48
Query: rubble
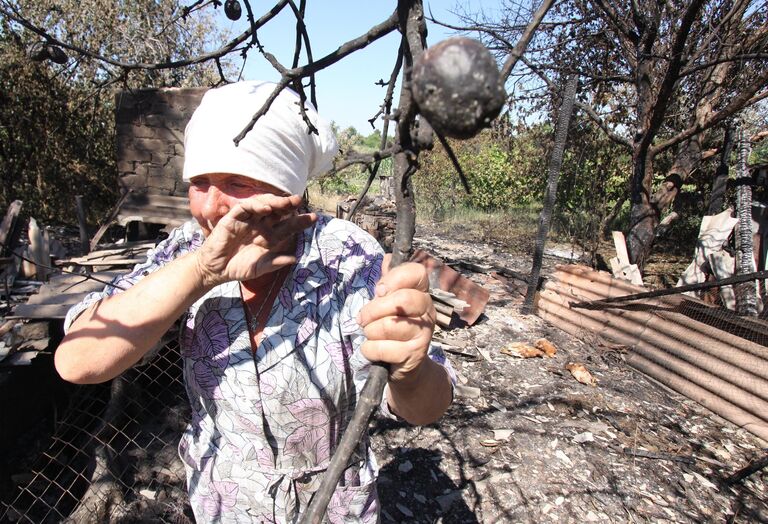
x=525, y=442
x=638, y=452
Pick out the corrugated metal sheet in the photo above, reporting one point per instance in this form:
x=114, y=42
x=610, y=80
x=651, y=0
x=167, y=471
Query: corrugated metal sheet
x=671, y=339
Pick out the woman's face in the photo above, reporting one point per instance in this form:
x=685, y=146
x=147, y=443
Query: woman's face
x=212, y=196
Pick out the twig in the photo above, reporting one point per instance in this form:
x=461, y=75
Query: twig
x=371, y=176
x=525, y=38
x=657, y=456
x=254, y=27
x=301, y=33
x=410, y=16
x=230, y=46
x=386, y=108
x=598, y=304
x=748, y=470
x=359, y=158
x=455, y=162
x=289, y=75
x=261, y=112
x=45, y=266
x=303, y=108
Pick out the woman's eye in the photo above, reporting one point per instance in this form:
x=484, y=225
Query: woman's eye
x=240, y=187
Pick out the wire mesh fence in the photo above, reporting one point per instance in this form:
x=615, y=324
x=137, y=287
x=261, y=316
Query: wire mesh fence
x=113, y=455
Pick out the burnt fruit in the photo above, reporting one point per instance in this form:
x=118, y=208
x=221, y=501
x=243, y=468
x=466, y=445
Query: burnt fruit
x=233, y=10
x=56, y=54
x=457, y=87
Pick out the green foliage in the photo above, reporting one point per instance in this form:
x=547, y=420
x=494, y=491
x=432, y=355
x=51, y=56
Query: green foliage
x=52, y=149
x=759, y=155
x=593, y=183
x=56, y=122
x=507, y=173
x=490, y=180
x=501, y=173
x=372, y=141
x=351, y=180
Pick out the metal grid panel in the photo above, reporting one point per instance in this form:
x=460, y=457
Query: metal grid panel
x=113, y=455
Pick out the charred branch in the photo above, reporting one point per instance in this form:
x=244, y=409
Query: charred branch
x=289, y=75
x=13, y=14
x=525, y=39
x=555, y=163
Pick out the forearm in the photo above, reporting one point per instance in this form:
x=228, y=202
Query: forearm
x=425, y=399
x=117, y=332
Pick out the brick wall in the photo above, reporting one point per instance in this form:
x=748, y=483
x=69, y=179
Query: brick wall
x=150, y=138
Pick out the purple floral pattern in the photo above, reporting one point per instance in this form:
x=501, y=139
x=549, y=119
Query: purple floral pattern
x=264, y=424
x=209, y=349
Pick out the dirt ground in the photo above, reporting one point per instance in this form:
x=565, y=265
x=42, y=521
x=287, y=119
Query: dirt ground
x=525, y=442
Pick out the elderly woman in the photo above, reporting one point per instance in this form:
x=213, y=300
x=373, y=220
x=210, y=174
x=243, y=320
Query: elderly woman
x=283, y=312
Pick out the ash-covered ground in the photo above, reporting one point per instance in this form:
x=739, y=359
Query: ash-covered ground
x=525, y=442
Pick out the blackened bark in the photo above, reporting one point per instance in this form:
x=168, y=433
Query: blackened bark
x=555, y=162
x=414, y=32
x=411, y=15
x=643, y=218
x=720, y=179
x=746, y=294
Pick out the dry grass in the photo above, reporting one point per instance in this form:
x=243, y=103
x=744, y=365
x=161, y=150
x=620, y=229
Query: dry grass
x=323, y=202
x=514, y=230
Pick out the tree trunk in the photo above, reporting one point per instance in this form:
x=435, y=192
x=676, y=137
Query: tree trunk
x=720, y=180
x=414, y=32
x=643, y=218
x=413, y=28
x=555, y=162
x=746, y=293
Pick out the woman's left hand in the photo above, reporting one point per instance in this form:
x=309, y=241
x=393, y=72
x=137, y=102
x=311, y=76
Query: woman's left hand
x=399, y=321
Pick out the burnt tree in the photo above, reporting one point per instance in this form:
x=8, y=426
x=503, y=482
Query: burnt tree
x=658, y=77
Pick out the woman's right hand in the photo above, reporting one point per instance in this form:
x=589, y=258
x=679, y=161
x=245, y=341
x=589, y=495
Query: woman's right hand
x=257, y=236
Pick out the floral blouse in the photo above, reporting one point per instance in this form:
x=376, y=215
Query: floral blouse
x=265, y=423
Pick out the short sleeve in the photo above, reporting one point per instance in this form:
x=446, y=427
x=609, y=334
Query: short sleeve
x=182, y=240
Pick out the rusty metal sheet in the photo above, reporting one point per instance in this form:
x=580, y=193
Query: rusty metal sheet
x=448, y=279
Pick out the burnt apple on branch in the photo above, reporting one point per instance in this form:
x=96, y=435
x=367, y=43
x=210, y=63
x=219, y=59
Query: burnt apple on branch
x=457, y=87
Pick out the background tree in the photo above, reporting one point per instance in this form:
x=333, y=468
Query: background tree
x=658, y=77
x=57, y=119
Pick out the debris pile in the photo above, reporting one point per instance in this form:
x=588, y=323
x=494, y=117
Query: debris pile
x=376, y=216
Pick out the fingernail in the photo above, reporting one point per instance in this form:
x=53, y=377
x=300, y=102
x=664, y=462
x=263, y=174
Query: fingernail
x=359, y=319
x=381, y=290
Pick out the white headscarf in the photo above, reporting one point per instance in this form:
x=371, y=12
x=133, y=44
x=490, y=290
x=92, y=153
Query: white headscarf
x=279, y=150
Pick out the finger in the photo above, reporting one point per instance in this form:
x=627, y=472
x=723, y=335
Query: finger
x=408, y=275
x=392, y=352
x=400, y=303
x=243, y=213
x=283, y=233
x=294, y=223
x=400, y=329
x=278, y=205
x=386, y=263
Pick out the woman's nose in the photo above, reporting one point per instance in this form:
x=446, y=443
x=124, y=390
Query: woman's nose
x=216, y=203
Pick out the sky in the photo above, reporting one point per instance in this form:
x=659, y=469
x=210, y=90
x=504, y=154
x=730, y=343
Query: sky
x=346, y=91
